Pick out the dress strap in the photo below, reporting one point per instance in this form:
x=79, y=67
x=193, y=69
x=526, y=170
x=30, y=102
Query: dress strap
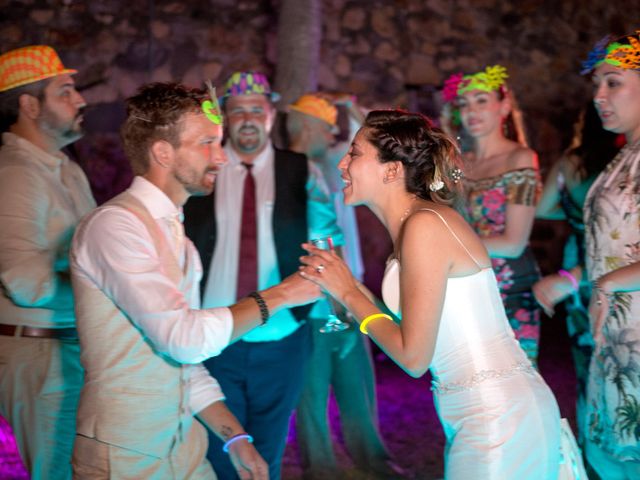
x=454, y=235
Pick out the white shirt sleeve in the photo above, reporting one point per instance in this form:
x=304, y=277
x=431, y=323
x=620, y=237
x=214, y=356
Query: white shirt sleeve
x=115, y=252
x=203, y=388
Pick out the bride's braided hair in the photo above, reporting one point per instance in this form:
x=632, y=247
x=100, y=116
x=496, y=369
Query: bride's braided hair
x=425, y=151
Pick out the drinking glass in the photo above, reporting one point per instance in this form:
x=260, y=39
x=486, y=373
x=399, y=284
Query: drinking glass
x=333, y=324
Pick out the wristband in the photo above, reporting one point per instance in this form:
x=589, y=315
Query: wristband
x=262, y=305
x=572, y=279
x=365, y=322
x=234, y=439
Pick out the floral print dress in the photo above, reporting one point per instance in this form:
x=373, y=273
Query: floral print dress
x=486, y=206
x=612, y=220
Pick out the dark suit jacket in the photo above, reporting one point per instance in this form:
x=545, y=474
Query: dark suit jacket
x=289, y=219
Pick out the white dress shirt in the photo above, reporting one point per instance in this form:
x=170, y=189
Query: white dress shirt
x=42, y=199
x=222, y=282
x=115, y=251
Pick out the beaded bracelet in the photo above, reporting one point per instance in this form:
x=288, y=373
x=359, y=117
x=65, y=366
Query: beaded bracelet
x=264, y=310
x=234, y=439
x=365, y=322
x=572, y=279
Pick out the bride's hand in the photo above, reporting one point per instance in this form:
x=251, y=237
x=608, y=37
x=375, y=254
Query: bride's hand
x=328, y=270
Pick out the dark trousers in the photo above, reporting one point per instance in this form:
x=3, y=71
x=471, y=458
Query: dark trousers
x=262, y=382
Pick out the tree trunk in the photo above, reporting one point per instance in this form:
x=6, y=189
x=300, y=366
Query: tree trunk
x=299, y=35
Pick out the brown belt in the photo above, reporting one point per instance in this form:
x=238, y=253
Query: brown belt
x=20, y=331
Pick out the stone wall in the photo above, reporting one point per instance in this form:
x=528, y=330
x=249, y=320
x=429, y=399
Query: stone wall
x=380, y=50
x=387, y=52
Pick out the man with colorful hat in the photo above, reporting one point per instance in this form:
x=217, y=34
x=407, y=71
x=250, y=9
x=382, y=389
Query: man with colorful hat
x=43, y=195
x=283, y=201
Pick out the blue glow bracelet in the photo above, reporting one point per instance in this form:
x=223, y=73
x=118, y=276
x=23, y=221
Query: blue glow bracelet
x=235, y=438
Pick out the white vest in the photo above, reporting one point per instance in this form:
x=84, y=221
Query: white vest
x=133, y=396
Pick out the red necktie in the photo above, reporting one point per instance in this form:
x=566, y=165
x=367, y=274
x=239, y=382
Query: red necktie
x=248, y=259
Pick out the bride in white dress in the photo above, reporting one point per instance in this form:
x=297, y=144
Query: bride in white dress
x=500, y=418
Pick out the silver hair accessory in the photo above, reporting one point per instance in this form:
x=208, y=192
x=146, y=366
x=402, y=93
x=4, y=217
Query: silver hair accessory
x=456, y=175
x=142, y=119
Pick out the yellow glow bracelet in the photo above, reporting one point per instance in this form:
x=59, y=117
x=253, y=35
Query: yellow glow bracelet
x=365, y=322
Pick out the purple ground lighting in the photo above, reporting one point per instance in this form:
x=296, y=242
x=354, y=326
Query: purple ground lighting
x=408, y=419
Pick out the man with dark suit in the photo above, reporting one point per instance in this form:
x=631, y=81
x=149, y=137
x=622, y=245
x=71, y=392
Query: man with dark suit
x=283, y=202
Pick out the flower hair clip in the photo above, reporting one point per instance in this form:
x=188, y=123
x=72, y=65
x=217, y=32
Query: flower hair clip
x=436, y=183
x=450, y=89
x=495, y=76
x=490, y=80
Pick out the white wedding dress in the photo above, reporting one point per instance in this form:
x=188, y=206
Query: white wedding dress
x=500, y=418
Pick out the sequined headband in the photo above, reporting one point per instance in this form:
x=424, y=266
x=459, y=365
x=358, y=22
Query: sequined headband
x=614, y=53
x=491, y=79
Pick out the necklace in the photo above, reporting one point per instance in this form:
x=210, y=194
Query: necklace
x=407, y=211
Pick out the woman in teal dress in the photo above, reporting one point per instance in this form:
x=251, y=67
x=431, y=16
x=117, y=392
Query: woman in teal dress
x=502, y=186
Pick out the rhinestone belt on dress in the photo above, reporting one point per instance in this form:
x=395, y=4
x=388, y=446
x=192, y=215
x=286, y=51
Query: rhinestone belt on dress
x=479, y=377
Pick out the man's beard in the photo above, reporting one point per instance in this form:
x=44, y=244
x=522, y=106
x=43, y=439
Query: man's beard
x=64, y=132
x=192, y=180
x=249, y=145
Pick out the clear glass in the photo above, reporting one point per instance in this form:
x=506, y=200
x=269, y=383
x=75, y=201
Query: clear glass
x=333, y=324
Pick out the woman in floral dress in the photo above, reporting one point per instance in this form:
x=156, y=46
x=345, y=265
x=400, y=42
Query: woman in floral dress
x=502, y=185
x=612, y=221
x=563, y=196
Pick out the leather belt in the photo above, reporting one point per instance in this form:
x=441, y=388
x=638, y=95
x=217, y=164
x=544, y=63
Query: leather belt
x=35, y=332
